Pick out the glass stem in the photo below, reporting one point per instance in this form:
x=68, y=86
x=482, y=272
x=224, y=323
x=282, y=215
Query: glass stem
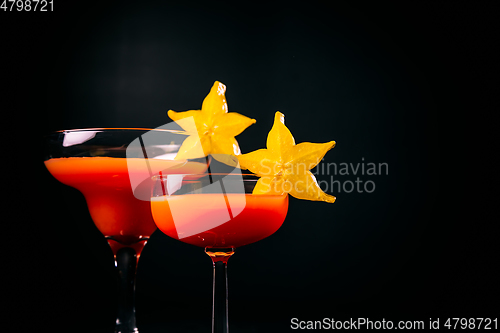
x=220, y=323
x=126, y=264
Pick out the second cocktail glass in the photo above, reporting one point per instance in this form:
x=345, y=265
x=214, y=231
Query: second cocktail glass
x=216, y=211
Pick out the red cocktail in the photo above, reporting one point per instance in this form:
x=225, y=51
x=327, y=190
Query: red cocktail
x=113, y=170
x=104, y=181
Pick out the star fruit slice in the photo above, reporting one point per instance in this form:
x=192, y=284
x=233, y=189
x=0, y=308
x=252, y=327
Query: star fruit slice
x=284, y=166
x=212, y=129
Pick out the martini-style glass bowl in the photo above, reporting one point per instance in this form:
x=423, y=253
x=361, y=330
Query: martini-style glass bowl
x=113, y=167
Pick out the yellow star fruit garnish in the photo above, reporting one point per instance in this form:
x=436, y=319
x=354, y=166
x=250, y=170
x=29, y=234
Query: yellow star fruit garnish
x=214, y=128
x=284, y=166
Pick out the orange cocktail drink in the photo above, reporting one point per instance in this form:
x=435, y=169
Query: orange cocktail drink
x=256, y=217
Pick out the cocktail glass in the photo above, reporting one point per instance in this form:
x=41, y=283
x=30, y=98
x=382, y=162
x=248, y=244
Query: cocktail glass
x=113, y=167
x=218, y=212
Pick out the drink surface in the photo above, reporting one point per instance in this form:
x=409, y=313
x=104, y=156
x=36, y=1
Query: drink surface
x=104, y=181
x=190, y=218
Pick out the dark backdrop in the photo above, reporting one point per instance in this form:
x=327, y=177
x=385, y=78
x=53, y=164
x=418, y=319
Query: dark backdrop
x=389, y=83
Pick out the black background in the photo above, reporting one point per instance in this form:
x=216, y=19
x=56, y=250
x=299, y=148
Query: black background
x=413, y=86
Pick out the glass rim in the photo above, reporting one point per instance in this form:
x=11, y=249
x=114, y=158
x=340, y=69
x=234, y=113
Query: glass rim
x=253, y=176
x=111, y=129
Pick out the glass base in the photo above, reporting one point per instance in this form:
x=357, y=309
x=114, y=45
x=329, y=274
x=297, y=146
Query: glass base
x=122, y=328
